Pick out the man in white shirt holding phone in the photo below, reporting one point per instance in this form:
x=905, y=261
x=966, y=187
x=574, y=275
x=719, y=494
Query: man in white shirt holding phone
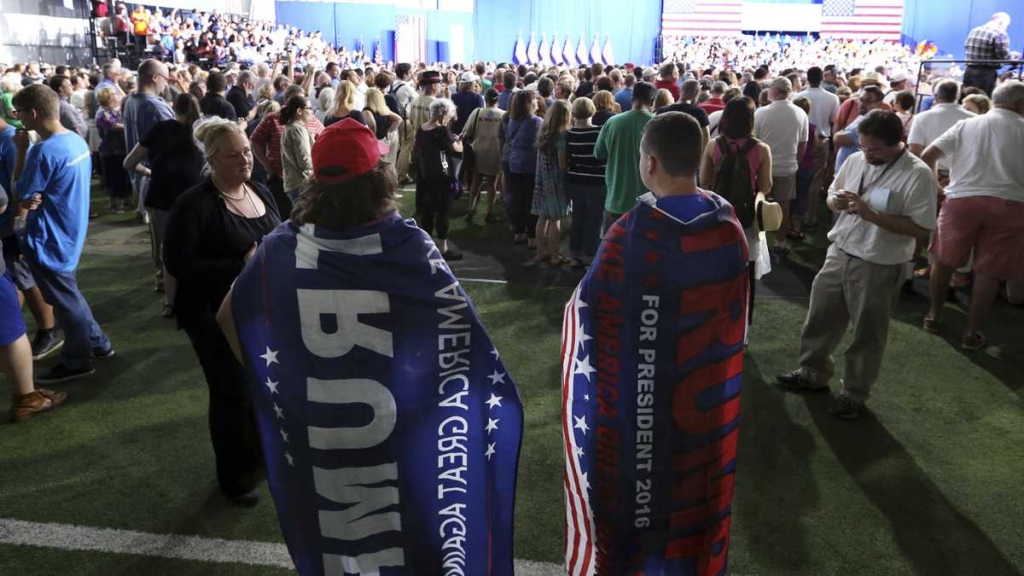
x=885, y=197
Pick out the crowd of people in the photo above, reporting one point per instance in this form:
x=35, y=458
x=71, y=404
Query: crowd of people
x=216, y=159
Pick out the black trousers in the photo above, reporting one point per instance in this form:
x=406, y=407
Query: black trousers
x=984, y=78
x=519, y=201
x=284, y=204
x=436, y=207
x=236, y=443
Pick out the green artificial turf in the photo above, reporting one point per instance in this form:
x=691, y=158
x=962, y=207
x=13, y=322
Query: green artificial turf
x=927, y=484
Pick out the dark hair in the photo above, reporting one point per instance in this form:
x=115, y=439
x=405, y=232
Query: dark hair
x=339, y=206
x=752, y=90
x=490, y=96
x=604, y=83
x=520, y=108
x=39, y=98
x=521, y=70
x=666, y=70
x=596, y=69
x=674, y=138
x=509, y=80
x=882, y=124
x=737, y=118
x=54, y=82
x=382, y=81
x=187, y=107
x=216, y=82
x=906, y=100
x=292, y=108
x=947, y=91
x=874, y=91
x=644, y=92
x=814, y=75
x=403, y=69
x=761, y=73
x=967, y=91
x=545, y=87
x=60, y=70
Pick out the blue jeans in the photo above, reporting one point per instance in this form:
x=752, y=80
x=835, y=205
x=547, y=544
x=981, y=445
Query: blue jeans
x=587, y=217
x=81, y=333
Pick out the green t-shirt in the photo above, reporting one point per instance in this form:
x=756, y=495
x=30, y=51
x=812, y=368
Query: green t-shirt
x=619, y=144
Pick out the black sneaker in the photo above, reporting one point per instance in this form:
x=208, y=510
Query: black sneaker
x=46, y=343
x=452, y=255
x=845, y=408
x=61, y=373
x=101, y=354
x=798, y=381
x=244, y=500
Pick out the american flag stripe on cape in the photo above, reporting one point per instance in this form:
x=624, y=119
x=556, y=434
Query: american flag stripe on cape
x=652, y=362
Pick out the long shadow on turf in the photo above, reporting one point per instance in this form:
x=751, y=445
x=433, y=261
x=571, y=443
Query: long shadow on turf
x=775, y=487
x=933, y=535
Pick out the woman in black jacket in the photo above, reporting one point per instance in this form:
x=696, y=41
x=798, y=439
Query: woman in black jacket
x=213, y=230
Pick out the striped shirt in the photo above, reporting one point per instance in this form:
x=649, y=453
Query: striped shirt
x=584, y=168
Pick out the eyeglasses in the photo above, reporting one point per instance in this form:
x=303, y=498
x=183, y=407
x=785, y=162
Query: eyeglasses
x=20, y=111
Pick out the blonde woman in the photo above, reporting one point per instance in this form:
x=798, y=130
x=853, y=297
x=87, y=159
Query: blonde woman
x=382, y=122
x=296, y=145
x=550, y=199
x=662, y=98
x=213, y=231
x=344, y=105
x=604, y=102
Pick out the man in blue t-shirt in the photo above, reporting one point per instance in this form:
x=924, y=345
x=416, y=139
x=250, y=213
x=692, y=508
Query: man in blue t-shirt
x=52, y=184
x=47, y=339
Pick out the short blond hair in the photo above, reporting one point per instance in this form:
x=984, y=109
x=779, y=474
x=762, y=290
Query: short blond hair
x=10, y=82
x=105, y=96
x=212, y=132
x=583, y=108
x=604, y=100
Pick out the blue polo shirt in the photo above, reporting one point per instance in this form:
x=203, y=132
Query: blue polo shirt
x=59, y=169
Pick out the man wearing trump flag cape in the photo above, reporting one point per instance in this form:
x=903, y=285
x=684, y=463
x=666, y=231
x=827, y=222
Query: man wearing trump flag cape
x=390, y=427
x=652, y=362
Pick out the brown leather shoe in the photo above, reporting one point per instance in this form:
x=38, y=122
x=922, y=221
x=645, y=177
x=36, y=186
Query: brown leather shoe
x=28, y=405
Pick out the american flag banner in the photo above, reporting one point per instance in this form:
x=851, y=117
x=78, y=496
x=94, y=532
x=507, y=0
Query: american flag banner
x=389, y=425
x=544, y=51
x=702, y=18
x=569, y=52
x=652, y=364
x=608, y=53
x=862, y=19
x=532, y=55
x=556, y=51
x=378, y=59
x=519, y=50
x=410, y=38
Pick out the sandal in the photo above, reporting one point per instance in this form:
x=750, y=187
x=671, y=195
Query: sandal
x=973, y=342
x=930, y=324
x=923, y=273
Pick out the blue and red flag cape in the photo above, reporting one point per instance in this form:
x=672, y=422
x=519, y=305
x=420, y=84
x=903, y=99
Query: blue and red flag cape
x=652, y=361
x=390, y=427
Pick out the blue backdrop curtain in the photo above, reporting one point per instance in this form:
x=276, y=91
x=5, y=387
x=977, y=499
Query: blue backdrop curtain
x=632, y=27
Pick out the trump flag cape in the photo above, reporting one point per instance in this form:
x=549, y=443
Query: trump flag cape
x=390, y=427
x=652, y=361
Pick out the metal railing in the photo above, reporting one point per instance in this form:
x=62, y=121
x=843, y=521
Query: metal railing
x=948, y=63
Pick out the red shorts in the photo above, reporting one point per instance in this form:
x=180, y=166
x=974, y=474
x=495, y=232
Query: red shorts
x=992, y=227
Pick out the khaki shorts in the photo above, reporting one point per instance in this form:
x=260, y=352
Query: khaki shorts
x=783, y=188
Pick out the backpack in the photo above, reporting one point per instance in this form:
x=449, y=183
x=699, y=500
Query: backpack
x=732, y=180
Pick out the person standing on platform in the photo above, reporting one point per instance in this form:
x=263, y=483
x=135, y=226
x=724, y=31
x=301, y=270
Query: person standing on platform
x=987, y=42
x=52, y=183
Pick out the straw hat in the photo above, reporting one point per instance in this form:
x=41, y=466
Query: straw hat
x=769, y=214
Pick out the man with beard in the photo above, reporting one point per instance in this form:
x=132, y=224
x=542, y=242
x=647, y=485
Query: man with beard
x=885, y=199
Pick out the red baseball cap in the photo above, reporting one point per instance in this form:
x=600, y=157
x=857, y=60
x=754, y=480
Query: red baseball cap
x=345, y=150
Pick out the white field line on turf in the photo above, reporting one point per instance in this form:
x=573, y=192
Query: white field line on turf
x=176, y=546
x=483, y=280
